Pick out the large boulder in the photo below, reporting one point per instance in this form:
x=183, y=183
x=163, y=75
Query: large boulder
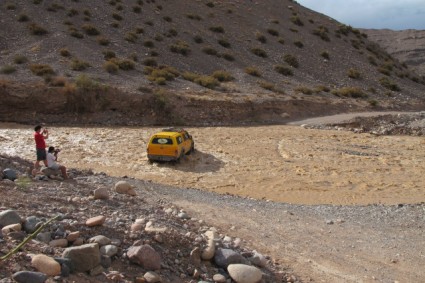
x=83, y=258
x=9, y=174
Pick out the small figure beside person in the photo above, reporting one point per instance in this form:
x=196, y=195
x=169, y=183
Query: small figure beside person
x=52, y=158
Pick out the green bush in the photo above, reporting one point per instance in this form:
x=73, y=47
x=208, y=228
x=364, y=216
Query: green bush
x=20, y=59
x=110, y=67
x=131, y=37
x=189, y=76
x=117, y=17
x=385, y=82
x=198, y=39
x=102, y=40
x=209, y=50
x=90, y=30
x=297, y=21
x=7, y=69
x=79, y=65
x=299, y=44
x=266, y=85
x=354, y=92
x=148, y=44
x=207, y=81
x=260, y=37
x=36, y=29
x=291, y=60
x=41, y=69
x=322, y=32
x=217, y=29
x=193, y=17
x=150, y=62
x=259, y=52
x=228, y=57
x=180, y=47
x=64, y=52
x=223, y=76
x=273, y=32
x=123, y=64
x=354, y=74
x=325, y=54
x=283, y=70
x=108, y=54
x=304, y=90
x=223, y=42
x=23, y=18
x=252, y=71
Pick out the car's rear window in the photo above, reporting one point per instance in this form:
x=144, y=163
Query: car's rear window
x=162, y=141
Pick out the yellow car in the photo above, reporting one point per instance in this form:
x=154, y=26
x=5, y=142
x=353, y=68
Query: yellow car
x=170, y=145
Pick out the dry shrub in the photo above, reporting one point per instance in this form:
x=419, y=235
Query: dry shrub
x=41, y=69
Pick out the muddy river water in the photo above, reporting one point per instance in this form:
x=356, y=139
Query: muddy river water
x=281, y=163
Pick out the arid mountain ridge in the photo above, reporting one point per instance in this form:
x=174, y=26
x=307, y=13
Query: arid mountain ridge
x=190, y=62
x=405, y=45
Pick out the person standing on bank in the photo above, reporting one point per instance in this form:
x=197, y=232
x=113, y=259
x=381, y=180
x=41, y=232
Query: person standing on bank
x=52, y=157
x=40, y=145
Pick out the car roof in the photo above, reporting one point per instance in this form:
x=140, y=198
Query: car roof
x=167, y=134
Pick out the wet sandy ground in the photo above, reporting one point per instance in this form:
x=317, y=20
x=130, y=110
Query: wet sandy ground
x=281, y=163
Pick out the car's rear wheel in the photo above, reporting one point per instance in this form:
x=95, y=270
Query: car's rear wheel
x=192, y=149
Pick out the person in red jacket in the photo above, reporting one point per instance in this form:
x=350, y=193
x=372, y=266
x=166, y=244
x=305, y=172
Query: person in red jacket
x=40, y=145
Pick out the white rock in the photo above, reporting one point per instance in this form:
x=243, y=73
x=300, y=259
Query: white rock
x=242, y=273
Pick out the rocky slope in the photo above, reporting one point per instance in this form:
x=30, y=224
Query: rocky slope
x=108, y=231
x=94, y=60
x=405, y=45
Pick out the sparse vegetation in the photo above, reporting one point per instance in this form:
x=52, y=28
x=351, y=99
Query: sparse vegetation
x=151, y=62
x=193, y=17
x=209, y=50
x=131, y=37
x=207, y=81
x=273, y=32
x=297, y=21
x=283, y=70
x=148, y=44
x=223, y=42
x=387, y=83
x=102, y=40
x=304, y=90
x=168, y=19
x=117, y=16
x=7, y=69
x=266, y=85
x=322, y=32
x=260, y=37
x=90, y=30
x=79, y=65
x=162, y=74
x=123, y=64
x=325, y=54
x=299, y=44
x=228, y=56
x=137, y=9
x=252, y=71
x=41, y=69
x=110, y=67
x=321, y=88
x=223, y=76
x=217, y=29
x=20, y=59
x=180, y=47
x=291, y=60
x=58, y=81
x=353, y=73
x=198, y=39
x=35, y=29
x=64, y=52
x=353, y=92
x=75, y=33
x=259, y=52
x=23, y=18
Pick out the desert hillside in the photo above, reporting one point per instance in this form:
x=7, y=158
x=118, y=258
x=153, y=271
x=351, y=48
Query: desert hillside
x=189, y=62
x=405, y=45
